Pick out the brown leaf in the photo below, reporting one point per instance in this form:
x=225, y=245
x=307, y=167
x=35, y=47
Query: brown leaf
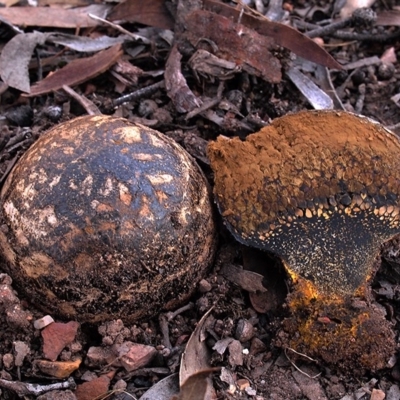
x=196, y=356
x=196, y=386
x=77, y=71
x=283, y=35
x=15, y=57
x=235, y=42
x=150, y=12
x=54, y=17
x=388, y=18
x=247, y=280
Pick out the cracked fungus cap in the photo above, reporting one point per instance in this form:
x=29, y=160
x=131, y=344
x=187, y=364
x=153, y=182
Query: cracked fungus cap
x=319, y=189
x=105, y=219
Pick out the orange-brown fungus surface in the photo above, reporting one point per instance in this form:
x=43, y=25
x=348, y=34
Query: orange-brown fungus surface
x=321, y=191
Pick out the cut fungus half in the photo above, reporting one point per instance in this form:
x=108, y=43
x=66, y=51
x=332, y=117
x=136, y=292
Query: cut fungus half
x=320, y=189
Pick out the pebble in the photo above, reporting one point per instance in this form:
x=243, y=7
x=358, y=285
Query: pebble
x=134, y=355
x=8, y=361
x=43, y=322
x=21, y=350
x=204, y=286
x=58, y=369
x=57, y=336
x=95, y=388
x=377, y=394
x=244, y=330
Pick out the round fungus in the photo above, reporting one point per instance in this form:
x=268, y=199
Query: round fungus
x=319, y=189
x=104, y=219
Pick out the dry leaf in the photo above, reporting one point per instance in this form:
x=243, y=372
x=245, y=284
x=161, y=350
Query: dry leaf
x=247, y=280
x=196, y=355
x=15, y=58
x=315, y=96
x=54, y=17
x=150, y=12
x=86, y=44
x=389, y=18
x=283, y=35
x=78, y=71
x=235, y=42
x=197, y=386
x=164, y=389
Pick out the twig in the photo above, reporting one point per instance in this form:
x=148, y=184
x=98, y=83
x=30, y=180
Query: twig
x=207, y=104
x=172, y=315
x=88, y=105
x=138, y=94
x=165, y=331
x=370, y=37
x=329, y=29
x=121, y=29
x=25, y=389
x=294, y=365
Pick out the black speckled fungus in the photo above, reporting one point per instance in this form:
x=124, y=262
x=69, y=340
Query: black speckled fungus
x=320, y=190
x=105, y=219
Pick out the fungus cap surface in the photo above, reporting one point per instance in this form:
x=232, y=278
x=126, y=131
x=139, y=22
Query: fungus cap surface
x=106, y=219
x=319, y=189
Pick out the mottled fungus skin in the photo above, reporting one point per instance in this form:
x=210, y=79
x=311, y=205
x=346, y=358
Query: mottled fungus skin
x=104, y=219
x=320, y=190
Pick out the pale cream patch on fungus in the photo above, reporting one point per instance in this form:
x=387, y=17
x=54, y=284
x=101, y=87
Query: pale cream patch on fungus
x=107, y=188
x=55, y=181
x=159, y=179
x=129, y=134
x=124, y=194
x=87, y=185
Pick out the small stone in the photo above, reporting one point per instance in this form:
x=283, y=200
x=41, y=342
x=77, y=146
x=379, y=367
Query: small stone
x=257, y=346
x=120, y=385
x=235, y=353
x=250, y=391
x=134, y=355
x=17, y=318
x=43, y=322
x=386, y=71
x=95, y=388
x=98, y=356
x=244, y=331
x=107, y=341
x=8, y=361
x=20, y=116
x=204, y=286
x=58, y=369
x=58, y=395
x=7, y=295
x=89, y=376
x=111, y=328
x=393, y=393
x=377, y=394
x=242, y=384
x=56, y=336
x=21, y=350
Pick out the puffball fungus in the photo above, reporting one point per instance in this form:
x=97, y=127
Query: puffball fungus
x=106, y=219
x=321, y=191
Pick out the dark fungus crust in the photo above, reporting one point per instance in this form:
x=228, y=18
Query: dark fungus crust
x=106, y=219
x=319, y=189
